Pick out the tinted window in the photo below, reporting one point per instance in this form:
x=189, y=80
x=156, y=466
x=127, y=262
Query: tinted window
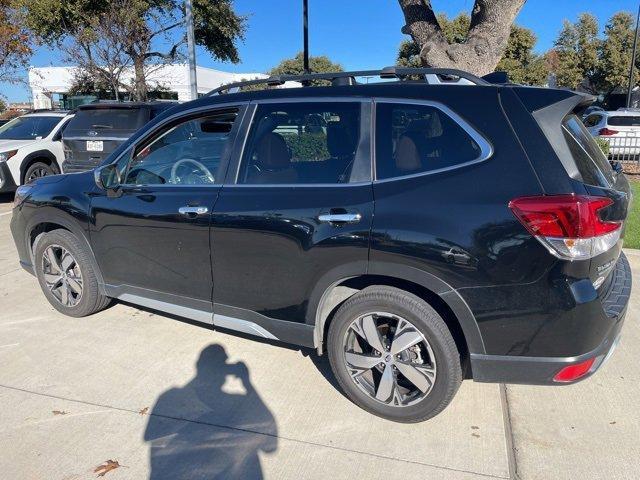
x=186, y=153
x=624, y=121
x=297, y=143
x=28, y=128
x=419, y=138
x=592, y=120
x=590, y=161
x=105, y=120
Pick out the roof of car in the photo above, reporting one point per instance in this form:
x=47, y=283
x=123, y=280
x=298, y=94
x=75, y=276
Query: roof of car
x=125, y=105
x=47, y=113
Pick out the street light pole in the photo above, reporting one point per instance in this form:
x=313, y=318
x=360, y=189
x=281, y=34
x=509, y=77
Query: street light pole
x=305, y=30
x=633, y=60
x=191, y=47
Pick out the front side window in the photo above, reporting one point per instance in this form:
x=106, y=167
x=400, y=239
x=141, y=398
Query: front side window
x=413, y=139
x=298, y=143
x=188, y=152
x=28, y=128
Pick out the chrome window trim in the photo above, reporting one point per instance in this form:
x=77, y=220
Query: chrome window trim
x=236, y=176
x=486, y=148
x=184, y=113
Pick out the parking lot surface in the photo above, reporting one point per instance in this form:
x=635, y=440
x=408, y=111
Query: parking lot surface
x=134, y=394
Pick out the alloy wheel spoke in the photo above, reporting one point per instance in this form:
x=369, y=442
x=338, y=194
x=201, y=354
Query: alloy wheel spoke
x=64, y=294
x=52, y=279
x=361, y=361
x=370, y=333
x=386, y=386
x=421, y=376
x=52, y=259
x=75, y=284
x=404, y=340
x=67, y=261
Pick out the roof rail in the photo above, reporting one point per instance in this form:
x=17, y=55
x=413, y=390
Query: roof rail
x=438, y=76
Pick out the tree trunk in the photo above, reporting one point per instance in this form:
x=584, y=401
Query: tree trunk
x=140, y=91
x=487, y=38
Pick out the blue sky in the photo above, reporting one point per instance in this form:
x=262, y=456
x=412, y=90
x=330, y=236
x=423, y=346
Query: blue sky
x=359, y=34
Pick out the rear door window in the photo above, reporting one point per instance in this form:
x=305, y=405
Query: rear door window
x=304, y=143
x=624, y=121
x=412, y=139
x=590, y=161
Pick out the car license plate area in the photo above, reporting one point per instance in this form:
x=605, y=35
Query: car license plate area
x=94, y=146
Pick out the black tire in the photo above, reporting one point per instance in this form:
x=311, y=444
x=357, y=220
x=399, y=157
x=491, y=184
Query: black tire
x=91, y=300
x=39, y=169
x=431, y=326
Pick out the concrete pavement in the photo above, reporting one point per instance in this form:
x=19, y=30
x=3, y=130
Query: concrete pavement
x=165, y=398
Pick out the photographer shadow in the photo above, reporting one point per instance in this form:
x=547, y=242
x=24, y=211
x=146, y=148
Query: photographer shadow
x=205, y=429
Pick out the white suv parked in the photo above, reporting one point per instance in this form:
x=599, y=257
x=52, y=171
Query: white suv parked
x=31, y=147
x=620, y=128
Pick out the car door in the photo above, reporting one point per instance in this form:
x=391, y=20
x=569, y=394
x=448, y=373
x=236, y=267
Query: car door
x=151, y=235
x=295, y=213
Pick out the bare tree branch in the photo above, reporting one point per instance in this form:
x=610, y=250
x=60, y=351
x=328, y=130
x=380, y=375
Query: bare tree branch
x=488, y=34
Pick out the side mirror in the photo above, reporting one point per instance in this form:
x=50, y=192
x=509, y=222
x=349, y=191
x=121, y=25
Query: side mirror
x=107, y=177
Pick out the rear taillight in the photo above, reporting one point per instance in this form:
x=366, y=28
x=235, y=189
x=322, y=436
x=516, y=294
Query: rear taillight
x=569, y=226
x=604, y=132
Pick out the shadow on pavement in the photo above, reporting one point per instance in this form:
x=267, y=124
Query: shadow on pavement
x=203, y=430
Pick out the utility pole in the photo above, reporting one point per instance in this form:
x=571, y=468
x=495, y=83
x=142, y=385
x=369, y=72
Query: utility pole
x=633, y=60
x=305, y=30
x=191, y=47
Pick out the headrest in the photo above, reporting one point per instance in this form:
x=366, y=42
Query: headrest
x=429, y=127
x=272, y=152
x=339, y=142
x=407, y=155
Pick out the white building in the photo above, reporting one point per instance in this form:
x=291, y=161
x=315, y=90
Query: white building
x=48, y=81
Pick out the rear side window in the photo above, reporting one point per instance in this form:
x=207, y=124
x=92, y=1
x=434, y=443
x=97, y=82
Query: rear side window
x=413, y=139
x=105, y=120
x=590, y=161
x=592, y=120
x=624, y=121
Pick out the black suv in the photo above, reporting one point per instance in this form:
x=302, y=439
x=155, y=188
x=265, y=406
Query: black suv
x=419, y=231
x=97, y=129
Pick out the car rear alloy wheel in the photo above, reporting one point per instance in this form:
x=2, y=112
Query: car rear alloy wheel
x=389, y=359
x=62, y=275
x=393, y=355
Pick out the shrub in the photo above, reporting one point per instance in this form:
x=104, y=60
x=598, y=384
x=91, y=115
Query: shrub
x=603, y=144
x=307, y=146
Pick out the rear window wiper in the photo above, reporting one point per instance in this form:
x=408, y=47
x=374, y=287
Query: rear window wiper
x=101, y=126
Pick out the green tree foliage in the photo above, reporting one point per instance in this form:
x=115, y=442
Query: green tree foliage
x=295, y=66
x=577, y=48
x=615, y=52
x=142, y=26
x=15, y=43
x=519, y=60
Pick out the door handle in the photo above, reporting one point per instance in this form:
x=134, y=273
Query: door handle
x=340, y=217
x=193, y=210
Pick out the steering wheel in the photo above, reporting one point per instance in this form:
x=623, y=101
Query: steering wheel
x=174, y=170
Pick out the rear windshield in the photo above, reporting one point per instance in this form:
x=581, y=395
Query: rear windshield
x=28, y=128
x=624, y=121
x=105, y=120
x=590, y=161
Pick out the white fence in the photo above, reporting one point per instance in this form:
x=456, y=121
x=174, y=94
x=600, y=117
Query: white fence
x=624, y=149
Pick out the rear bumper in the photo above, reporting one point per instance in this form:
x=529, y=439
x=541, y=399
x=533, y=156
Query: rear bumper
x=541, y=370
